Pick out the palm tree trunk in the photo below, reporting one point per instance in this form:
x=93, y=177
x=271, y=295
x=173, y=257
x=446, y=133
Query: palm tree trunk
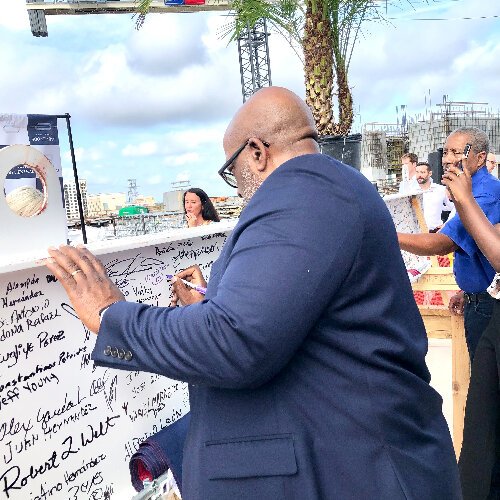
x=318, y=71
x=345, y=102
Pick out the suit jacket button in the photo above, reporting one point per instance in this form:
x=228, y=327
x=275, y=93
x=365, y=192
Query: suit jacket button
x=114, y=352
x=128, y=356
x=121, y=353
x=107, y=351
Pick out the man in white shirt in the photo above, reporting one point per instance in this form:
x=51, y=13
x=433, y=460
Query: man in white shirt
x=409, y=182
x=491, y=164
x=435, y=197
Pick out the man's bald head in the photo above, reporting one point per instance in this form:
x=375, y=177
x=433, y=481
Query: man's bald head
x=272, y=127
x=275, y=115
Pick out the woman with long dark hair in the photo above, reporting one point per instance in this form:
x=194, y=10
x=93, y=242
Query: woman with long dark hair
x=198, y=208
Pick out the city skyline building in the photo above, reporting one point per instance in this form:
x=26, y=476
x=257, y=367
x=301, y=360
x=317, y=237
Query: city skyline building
x=105, y=203
x=144, y=200
x=71, y=200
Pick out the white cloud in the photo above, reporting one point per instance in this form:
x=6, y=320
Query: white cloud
x=110, y=90
x=67, y=173
x=92, y=154
x=287, y=69
x=181, y=141
x=166, y=44
x=95, y=156
x=14, y=15
x=143, y=149
x=184, y=159
x=162, y=74
x=154, y=180
x=79, y=154
x=182, y=176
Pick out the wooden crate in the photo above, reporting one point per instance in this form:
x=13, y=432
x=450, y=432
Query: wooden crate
x=441, y=324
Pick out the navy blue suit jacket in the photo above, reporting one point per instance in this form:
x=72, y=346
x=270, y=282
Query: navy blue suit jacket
x=306, y=358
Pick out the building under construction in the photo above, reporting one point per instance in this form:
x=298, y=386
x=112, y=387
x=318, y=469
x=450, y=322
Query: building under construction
x=383, y=144
x=428, y=136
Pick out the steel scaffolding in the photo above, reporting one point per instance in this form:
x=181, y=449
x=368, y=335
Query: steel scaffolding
x=253, y=50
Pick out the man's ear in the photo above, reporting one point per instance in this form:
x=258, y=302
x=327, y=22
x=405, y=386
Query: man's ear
x=259, y=152
x=481, y=157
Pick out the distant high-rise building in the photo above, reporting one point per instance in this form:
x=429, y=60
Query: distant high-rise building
x=146, y=201
x=173, y=200
x=105, y=203
x=70, y=199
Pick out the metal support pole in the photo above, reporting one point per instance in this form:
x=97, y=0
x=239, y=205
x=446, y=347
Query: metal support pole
x=75, y=173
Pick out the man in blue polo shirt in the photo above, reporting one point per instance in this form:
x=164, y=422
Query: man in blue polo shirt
x=472, y=270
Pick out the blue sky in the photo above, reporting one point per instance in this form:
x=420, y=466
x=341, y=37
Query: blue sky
x=153, y=104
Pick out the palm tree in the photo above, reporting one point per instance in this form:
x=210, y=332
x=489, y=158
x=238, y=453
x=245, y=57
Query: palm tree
x=323, y=33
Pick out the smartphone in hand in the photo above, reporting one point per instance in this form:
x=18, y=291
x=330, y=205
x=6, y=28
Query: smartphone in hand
x=465, y=155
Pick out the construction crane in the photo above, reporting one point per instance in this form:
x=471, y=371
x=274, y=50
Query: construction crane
x=253, y=49
x=133, y=192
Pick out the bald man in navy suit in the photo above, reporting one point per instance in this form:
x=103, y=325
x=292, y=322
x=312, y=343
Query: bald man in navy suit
x=306, y=358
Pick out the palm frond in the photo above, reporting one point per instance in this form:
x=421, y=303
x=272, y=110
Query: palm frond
x=143, y=7
x=283, y=15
